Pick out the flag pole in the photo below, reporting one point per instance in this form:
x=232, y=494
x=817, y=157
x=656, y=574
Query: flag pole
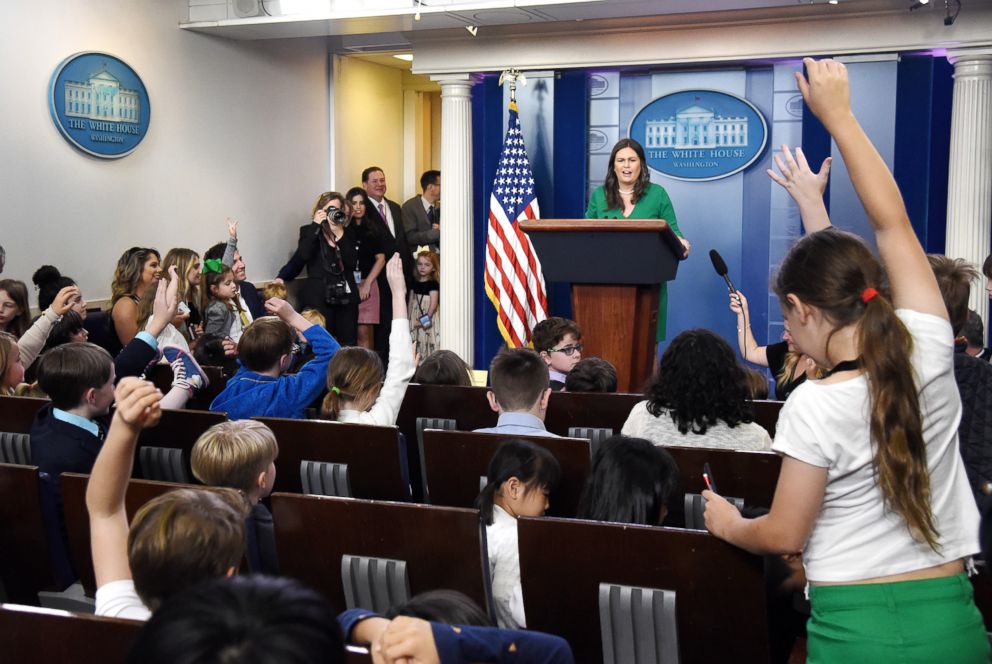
x=512, y=77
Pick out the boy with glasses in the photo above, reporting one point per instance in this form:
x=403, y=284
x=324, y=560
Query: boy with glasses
x=559, y=341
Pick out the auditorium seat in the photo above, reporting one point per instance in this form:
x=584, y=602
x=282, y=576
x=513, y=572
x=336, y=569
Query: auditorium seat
x=588, y=409
x=442, y=546
x=455, y=460
x=17, y=413
x=44, y=635
x=720, y=602
x=468, y=406
x=25, y=564
x=77, y=521
x=177, y=429
x=375, y=456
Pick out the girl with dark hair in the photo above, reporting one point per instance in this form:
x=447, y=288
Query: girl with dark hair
x=872, y=487
x=520, y=478
x=49, y=281
x=631, y=482
x=698, y=398
x=628, y=193
x=443, y=367
x=371, y=261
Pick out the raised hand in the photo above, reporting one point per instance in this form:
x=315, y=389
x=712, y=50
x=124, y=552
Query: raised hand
x=797, y=177
x=138, y=403
x=394, y=274
x=280, y=308
x=232, y=228
x=738, y=303
x=827, y=91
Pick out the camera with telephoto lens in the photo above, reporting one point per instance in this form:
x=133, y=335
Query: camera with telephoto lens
x=336, y=216
x=336, y=294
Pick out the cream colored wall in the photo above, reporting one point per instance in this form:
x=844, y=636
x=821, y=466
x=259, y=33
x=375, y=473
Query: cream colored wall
x=237, y=129
x=368, y=110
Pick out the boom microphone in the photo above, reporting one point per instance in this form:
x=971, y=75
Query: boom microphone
x=721, y=269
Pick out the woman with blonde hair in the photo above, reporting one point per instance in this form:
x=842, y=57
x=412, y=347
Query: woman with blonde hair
x=189, y=270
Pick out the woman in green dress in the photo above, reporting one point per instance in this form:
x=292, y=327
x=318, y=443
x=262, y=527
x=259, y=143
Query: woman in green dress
x=628, y=193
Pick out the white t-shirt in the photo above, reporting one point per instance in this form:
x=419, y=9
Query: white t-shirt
x=662, y=430
x=118, y=599
x=504, y=570
x=854, y=537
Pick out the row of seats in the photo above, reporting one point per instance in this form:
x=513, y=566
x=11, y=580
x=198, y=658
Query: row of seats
x=585, y=581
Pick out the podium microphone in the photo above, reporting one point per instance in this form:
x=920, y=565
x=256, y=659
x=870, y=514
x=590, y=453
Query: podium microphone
x=721, y=269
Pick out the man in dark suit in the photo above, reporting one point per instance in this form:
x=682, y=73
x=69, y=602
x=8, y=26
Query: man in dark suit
x=389, y=217
x=250, y=299
x=422, y=214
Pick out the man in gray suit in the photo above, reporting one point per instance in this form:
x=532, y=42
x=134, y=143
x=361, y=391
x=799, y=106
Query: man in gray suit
x=422, y=214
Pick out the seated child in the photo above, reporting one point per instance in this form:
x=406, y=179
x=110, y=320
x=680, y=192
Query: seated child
x=521, y=476
x=175, y=541
x=519, y=393
x=356, y=389
x=443, y=367
x=559, y=341
x=275, y=289
x=260, y=388
x=631, y=482
x=241, y=455
x=593, y=374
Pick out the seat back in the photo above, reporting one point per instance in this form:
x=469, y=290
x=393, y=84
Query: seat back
x=15, y=448
x=750, y=476
x=25, y=565
x=766, y=414
x=441, y=546
x=374, y=455
x=595, y=436
x=695, y=507
x=163, y=464
x=468, y=405
x=374, y=584
x=77, y=522
x=720, y=589
x=17, y=413
x=324, y=478
x=588, y=409
x=44, y=635
x=454, y=461
x=429, y=423
x=177, y=429
x=638, y=625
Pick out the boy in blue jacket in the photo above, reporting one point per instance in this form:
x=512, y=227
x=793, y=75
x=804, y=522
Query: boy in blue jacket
x=261, y=387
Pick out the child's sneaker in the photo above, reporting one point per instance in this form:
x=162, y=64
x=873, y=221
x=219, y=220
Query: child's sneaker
x=186, y=371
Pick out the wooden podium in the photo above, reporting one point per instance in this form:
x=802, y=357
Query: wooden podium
x=614, y=266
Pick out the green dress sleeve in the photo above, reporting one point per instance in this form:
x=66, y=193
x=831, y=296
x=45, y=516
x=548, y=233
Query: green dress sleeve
x=597, y=204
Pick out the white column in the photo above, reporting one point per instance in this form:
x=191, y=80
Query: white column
x=969, y=182
x=458, y=277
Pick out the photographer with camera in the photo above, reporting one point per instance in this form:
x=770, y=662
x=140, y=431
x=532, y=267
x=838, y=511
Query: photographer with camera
x=328, y=249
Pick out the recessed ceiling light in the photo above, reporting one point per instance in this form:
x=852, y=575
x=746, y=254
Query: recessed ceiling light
x=833, y=2
x=404, y=56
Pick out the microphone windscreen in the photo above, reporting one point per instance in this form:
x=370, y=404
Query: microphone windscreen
x=718, y=264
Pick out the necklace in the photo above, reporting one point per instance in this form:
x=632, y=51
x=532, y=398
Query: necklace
x=625, y=193
x=846, y=365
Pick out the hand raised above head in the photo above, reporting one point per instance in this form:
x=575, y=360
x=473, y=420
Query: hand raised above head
x=394, y=274
x=826, y=90
x=138, y=402
x=279, y=307
x=738, y=303
x=232, y=228
x=797, y=177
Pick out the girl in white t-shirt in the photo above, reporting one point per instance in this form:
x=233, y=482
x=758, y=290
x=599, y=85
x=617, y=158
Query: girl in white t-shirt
x=872, y=487
x=520, y=478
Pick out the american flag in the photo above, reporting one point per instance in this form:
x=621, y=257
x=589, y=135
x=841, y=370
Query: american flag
x=514, y=282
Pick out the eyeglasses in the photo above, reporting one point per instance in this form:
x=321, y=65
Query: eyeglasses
x=568, y=351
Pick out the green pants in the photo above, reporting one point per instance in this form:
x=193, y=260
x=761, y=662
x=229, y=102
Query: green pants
x=929, y=621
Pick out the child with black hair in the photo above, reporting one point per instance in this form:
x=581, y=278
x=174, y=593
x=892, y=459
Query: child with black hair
x=49, y=281
x=631, y=482
x=559, y=342
x=521, y=476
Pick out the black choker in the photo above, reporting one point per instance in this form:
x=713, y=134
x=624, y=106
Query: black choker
x=846, y=365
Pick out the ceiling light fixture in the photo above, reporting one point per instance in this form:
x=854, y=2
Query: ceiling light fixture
x=472, y=30
x=918, y=4
x=406, y=57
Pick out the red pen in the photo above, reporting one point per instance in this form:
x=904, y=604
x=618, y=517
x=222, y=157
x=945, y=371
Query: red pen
x=706, y=478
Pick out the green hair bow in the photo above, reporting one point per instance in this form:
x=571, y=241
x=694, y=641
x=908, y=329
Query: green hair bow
x=213, y=265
